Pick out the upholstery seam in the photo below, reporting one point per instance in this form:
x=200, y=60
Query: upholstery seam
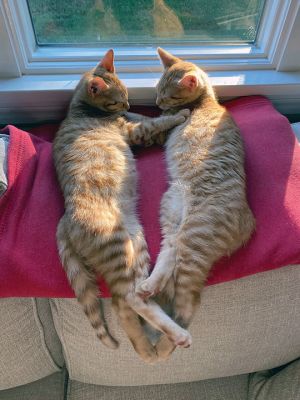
x=62, y=337
x=42, y=336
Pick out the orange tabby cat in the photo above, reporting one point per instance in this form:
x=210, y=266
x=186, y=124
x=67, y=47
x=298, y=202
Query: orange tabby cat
x=99, y=232
x=204, y=213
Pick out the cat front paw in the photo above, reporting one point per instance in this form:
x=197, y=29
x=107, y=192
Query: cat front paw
x=182, y=115
x=185, y=112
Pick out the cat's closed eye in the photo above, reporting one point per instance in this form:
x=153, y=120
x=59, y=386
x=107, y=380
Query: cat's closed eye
x=113, y=103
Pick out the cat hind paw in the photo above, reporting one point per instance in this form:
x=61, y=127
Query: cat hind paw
x=183, y=339
x=145, y=290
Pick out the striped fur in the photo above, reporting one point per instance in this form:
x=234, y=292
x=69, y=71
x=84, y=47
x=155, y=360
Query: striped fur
x=99, y=233
x=204, y=213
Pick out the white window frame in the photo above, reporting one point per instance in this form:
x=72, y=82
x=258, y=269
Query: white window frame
x=239, y=69
x=35, y=60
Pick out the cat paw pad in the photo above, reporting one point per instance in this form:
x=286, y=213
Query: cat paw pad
x=184, y=339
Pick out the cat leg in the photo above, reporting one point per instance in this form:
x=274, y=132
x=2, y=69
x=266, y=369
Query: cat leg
x=186, y=301
x=198, y=248
x=172, y=214
x=155, y=316
x=146, y=131
x=204, y=238
x=148, y=310
x=157, y=139
x=131, y=324
x=84, y=284
x=129, y=319
x=192, y=268
x=161, y=273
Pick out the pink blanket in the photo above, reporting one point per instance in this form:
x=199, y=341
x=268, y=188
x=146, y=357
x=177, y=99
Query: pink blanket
x=33, y=204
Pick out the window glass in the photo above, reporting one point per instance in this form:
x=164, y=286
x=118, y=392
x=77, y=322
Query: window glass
x=136, y=22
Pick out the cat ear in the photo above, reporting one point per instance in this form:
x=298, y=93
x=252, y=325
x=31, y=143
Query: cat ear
x=107, y=61
x=189, y=81
x=96, y=85
x=166, y=58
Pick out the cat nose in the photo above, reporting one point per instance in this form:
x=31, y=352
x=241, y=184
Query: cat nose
x=158, y=101
x=126, y=105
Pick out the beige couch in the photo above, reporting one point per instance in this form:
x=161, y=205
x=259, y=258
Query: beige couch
x=48, y=349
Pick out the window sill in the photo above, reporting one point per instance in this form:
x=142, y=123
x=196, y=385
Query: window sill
x=45, y=97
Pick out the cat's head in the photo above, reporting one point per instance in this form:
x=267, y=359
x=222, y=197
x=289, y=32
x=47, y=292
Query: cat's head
x=101, y=88
x=182, y=82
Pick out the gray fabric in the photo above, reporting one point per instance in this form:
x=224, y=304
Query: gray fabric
x=24, y=356
x=4, y=140
x=51, y=339
x=278, y=384
x=232, y=388
x=51, y=388
x=296, y=130
x=242, y=326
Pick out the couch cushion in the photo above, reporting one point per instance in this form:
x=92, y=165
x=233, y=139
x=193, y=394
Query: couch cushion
x=25, y=355
x=50, y=337
x=279, y=384
x=242, y=326
x=231, y=388
x=52, y=387
x=32, y=205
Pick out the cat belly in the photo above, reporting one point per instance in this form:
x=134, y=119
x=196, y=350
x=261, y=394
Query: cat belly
x=172, y=148
x=127, y=196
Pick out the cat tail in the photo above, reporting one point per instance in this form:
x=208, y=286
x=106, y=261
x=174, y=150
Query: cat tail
x=84, y=284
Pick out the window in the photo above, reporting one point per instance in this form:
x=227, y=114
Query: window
x=69, y=37
x=110, y=22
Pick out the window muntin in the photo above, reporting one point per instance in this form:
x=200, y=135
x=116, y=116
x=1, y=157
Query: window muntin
x=138, y=22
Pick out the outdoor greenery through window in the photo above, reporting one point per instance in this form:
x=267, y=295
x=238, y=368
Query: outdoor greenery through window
x=134, y=22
